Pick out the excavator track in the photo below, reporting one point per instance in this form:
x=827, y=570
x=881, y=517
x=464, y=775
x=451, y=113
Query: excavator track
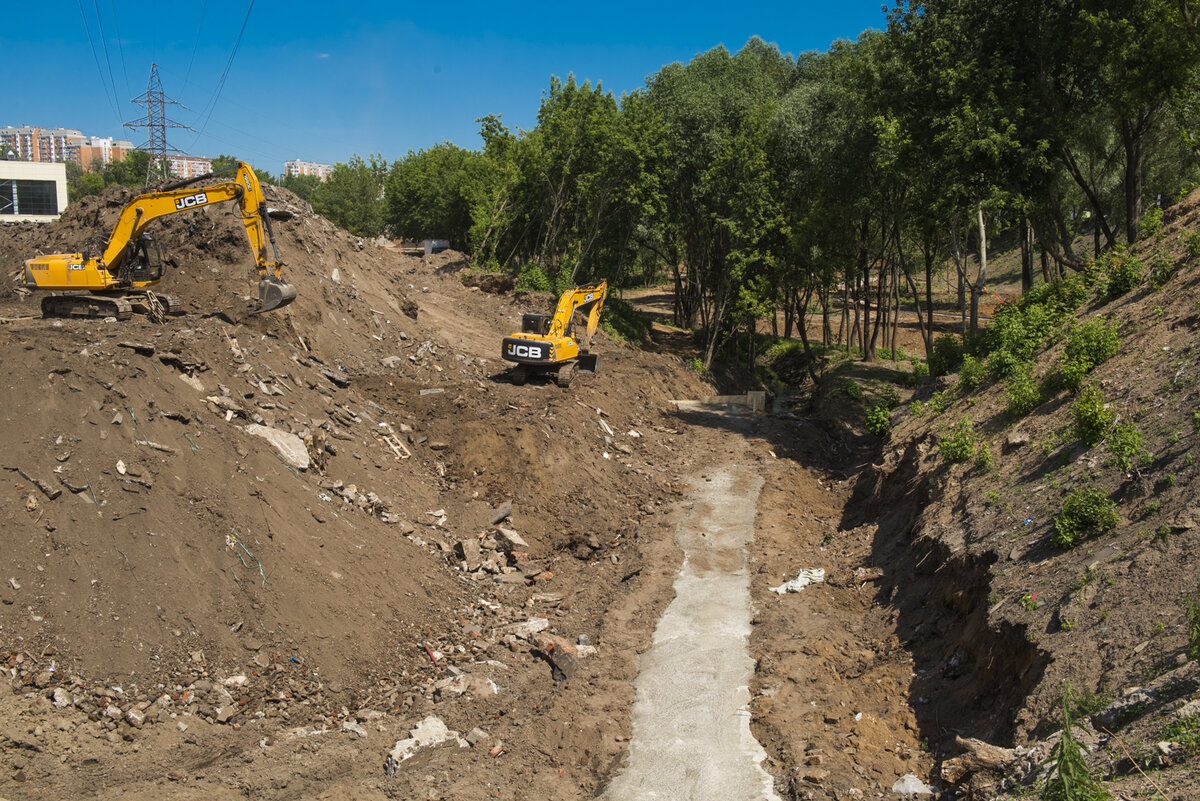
x=92, y=306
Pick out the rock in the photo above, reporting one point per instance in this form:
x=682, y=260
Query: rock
x=290, y=446
x=1124, y=710
x=251, y=644
x=392, y=362
x=43, y=679
x=352, y=726
x=909, y=784
x=1016, y=439
x=815, y=775
x=468, y=551
x=135, y=718
x=510, y=541
x=113, y=712
x=527, y=628
x=477, y=736
x=429, y=732
x=61, y=698
x=224, y=714
x=502, y=513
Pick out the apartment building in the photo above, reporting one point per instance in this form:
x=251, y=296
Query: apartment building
x=100, y=150
x=30, y=143
x=188, y=166
x=307, y=168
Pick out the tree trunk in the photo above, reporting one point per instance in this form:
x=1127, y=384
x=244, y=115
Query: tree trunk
x=1132, y=140
x=981, y=277
x=1026, y=255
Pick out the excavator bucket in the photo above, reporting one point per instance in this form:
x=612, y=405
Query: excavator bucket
x=588, y=363
x=273, y=294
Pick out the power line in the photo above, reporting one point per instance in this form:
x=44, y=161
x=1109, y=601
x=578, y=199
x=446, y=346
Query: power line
x=195, y=46
x=111, y=98
x=221, y=83
x=104, y=44
x=120, y=45
x=156, y=124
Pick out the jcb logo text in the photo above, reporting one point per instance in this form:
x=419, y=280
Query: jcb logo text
x=191, y=200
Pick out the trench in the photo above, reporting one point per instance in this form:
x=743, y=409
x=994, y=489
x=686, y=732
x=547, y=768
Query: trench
x=691, y=718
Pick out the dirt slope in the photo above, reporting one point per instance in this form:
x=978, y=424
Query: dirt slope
x=164, y=566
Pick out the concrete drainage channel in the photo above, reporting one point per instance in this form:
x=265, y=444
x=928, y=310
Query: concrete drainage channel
x=691, y=718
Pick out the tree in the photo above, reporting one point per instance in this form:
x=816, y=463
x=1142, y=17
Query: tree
x=352, y=196
x=302, y=185
x=225, y=162
x=428, y=194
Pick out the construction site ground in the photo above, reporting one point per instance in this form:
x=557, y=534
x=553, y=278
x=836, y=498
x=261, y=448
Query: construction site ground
x=333, y=552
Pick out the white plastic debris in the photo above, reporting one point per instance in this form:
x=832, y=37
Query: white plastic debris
x=805, y=577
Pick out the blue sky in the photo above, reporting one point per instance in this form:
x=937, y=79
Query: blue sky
x=322, y=81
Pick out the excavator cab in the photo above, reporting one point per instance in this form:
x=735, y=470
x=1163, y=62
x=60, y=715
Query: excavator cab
x=147, y=261
x=535, y=323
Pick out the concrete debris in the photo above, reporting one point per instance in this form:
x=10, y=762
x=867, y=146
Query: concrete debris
x=352, y=726
x=290, y=446
x=428, y=733
x=805, y=577
x=502, y=513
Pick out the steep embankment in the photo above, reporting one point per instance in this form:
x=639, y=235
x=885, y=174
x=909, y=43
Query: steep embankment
x=1001, y=614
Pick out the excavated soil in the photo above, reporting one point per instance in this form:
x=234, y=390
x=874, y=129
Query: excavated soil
x=333, y=552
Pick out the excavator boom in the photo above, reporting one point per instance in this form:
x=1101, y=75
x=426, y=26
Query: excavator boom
x=131, y=259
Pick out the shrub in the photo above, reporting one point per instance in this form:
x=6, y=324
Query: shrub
x=1160, y=270
x=852, y=390
x=985, y=460
x=696, y=365
x=947, y=355
x=1093, y=417
x=1122, y=271
x=971, y=374
x=1125, y=442
x=959, y=446
x=1193, y=624
x=1023, y=393
x=920, y=371
x=1089, y=344
x=533, y=278
x=938, y=400
x=1085, y=512
x=1151, y=223
x=879, y=419
x=1192, y=243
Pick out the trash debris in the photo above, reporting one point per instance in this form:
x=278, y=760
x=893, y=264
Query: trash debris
x=429, y=732
x=805, y=577
x=908, y=784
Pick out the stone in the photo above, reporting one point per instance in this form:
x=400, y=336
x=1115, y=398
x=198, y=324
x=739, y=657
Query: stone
x=223, y=714
x=477, y=736
x=502, y=513
x=352, y=726
x=908, y=784
x=61, y=698
x=135, y=718
x=468, y=551
x=290, y=446
x=510, y=541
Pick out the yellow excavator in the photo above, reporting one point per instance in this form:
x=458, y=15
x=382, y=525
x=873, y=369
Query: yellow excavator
x=114, y=283
x=548, y=344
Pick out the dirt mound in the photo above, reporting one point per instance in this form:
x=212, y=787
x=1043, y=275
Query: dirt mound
x=227, y=521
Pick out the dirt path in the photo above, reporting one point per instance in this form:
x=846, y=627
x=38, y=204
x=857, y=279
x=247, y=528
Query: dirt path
x=691, y=719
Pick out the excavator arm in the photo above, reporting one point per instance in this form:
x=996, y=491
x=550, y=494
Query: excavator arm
x=118, y=267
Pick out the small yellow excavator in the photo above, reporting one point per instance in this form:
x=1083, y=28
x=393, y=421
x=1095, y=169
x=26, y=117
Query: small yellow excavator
x=547, y=344
x=114, y=283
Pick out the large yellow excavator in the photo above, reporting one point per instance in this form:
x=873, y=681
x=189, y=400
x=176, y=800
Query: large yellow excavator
x=113, y=284
x=549, y=344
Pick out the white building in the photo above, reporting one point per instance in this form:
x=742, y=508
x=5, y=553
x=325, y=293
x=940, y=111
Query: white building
x=32, y=191
x=298, y=167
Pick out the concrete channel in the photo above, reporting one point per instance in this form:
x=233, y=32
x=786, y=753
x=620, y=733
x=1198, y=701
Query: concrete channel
x=691, y=717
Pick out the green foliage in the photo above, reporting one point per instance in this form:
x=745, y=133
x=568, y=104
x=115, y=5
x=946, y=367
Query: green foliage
x=1161, y=269
x=971, y=374
x=1193, y=625
x=1185, y=731
x=351, y=197
x=1085, y=512
x=533, y=278
x=623, y=322
x=1121, y=271
x=985, y=458
x=959, y=445
x=1125, y=441
x=1029, y=602
x=227, y=162
x=852, y=389
x=1019, y=329
x=1093, y=416
x=1088, y=345
x=1192, y=243
x=1151, y=223
x=429, y=193
x=1070, y=779
x=879, y=419
x=938, y=402
x=947, y=355
x=302, y=185
x=1085, y=702
x=696, y=365
x=1022, y=392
